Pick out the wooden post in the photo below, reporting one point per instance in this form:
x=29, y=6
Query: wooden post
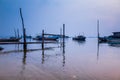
x=60, y=37
x=63, y=38
x=42, y=39
x=24, y=31
x=98, y=29
x=60, y=32
x=15, y=33
x=25, y=45
x=18, y=33
x=63, y=45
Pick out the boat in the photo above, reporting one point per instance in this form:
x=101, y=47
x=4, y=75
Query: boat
x=1, y=48
x=115, y=38
x=11, y=39
x=80, y=38
x=102, y=39
x=48, y=38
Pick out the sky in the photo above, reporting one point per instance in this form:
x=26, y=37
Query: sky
x=79, y=16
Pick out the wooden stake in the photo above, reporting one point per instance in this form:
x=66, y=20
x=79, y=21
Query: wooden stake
x=42, y=39
x=98, y=29
x=24, y=31
x=63, y=38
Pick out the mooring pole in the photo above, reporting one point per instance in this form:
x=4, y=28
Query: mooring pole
x=24, y=31
x=15, y=33
x=98, y=35
x=18, y=33
x=42, y=39
x=63, y=38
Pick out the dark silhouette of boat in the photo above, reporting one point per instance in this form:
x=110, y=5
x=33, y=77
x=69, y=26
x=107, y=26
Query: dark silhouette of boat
x=1, y=48
x=11, y=39
x=80, y=38
x=48, y=38
x=102, y=39
x=115, y=38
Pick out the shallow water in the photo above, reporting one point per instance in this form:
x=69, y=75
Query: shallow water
x=80, y=61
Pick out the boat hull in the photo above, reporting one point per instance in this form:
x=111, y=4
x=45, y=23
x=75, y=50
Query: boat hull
x=1, y=48
x=79, y=38
x=47, y=39
x=9, y=40
x=114, y=41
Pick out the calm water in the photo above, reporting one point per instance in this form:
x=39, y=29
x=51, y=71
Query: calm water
x=81, y=61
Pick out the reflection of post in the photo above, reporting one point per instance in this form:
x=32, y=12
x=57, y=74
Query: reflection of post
x=64, y=57
x=24, y=56
x=42, y=39
x=23, y=66
x=97, y=51
x=43, y=56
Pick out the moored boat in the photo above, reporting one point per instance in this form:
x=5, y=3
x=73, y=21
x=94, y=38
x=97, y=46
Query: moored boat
x=1, y=48
x=48, y=38
x=102, y=39
x=115, y=38
x=10, y=40
x=80, y=38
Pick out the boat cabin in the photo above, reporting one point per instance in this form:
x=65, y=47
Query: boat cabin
x=116, y=34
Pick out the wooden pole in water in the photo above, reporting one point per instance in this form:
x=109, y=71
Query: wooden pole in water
x=63, y=32
x=98, y=29
x=18, y=33
x=24, y=31
x=42, y=39
x=15, y=33
x=63, y=38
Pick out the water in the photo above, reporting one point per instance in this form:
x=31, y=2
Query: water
x=81, y=61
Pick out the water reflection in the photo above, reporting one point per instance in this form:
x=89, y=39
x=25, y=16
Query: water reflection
x=24, y=64
x=63, y=54
x=43, y=56
x=98, y=50
x=24, y=56
x=114, y=45
x=79, y=42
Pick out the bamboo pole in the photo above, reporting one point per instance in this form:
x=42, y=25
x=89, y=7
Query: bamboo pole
x=15, y=33
x=24, y=31
x=18, y=33
x=63, y=38
x=43, y=39
x=98, y=35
